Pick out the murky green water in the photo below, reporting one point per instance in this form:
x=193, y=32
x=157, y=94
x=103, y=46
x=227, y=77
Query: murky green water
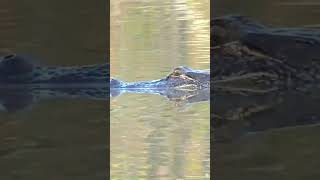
x=53, y=138
x=153, y=137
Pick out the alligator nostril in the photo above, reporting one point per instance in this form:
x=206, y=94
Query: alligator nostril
x=114, y=83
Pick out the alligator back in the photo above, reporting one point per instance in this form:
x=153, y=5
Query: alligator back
x=20, y=71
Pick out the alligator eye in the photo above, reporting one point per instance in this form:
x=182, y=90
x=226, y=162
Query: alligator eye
x=177, y=72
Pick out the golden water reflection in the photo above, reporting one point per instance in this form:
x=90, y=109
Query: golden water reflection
x=152, y=137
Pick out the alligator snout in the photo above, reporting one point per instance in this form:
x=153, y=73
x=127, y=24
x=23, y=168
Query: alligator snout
x=15, y=65
x=180, y=77
x=114, y=83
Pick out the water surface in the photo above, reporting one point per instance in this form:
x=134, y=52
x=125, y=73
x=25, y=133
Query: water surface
x=153, y=137
x=53, y=138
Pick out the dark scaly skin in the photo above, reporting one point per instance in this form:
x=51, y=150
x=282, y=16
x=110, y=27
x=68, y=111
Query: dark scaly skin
x=20, y=71
x=257, y=58
x=16, y=70
x=22, y=82
x=259, y=75
x=181, y=78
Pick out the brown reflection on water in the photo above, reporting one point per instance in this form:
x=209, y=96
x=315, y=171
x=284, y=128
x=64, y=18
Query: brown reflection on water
x=54, y=32
x=8, y=26
x=55, y=143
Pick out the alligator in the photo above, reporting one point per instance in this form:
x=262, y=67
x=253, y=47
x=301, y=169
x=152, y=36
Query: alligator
x=256, y=69
x=253, y=63
x=24, y=82
x=251, y=57
x=263, y=77
x=247, y=57
x=19, y=71
x=180, y=80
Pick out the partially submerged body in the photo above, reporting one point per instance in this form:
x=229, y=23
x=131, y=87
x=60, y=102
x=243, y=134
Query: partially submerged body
x=254, y=69
x=263, y=77
x=250, y=57
x=22, y=83
x=18, y=71
x=179, y=80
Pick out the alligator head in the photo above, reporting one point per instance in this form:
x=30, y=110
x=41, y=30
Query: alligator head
x=253, y=57
x=232, y=28
x=286, y=44
x=259, y=73
x=180, y=79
